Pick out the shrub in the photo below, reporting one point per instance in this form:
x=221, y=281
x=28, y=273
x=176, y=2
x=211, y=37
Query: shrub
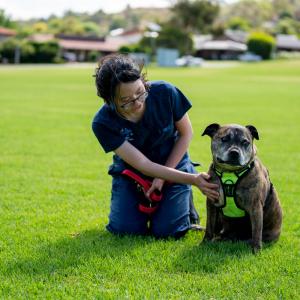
x=93, y=55
x=125, y=49
x=30, y=52
x=9, y=46
x=44, y=52
x=261, y=44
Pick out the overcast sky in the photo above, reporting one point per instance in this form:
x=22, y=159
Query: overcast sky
x=25, y=9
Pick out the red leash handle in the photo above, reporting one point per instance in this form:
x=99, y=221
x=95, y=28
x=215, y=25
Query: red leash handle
x=155, y=196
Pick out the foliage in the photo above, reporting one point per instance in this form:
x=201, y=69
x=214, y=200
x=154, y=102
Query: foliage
x=30, y=51
x=135, y=48
x=251, y=11
x=261, y=44
x=218, y=30
x=173, y=37
x=93, y=56
x=117, y=22
x=192, y=16
x=40, y=27
x=71, y=26
x=287, y=26
x=11, y=45
x=142, y=47
x=195, y=16
x=188, y=17
x=5, y=21
x=44, y=52
x=238, y=23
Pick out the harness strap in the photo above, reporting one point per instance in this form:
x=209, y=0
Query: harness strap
x=146, y=205
x=229, y=181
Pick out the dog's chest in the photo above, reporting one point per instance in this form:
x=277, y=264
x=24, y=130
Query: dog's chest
x=234, y=192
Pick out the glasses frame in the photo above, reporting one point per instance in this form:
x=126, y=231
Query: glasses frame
x=141, y=98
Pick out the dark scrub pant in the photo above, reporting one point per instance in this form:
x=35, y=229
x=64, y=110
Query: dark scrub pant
x=172, y=218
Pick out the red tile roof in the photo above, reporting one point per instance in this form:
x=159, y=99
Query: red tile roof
x=107, y=46
x=7, y=31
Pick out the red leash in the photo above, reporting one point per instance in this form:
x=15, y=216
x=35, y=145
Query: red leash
x=146, y=205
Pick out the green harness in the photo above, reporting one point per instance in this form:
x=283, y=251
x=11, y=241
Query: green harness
x=229, y=182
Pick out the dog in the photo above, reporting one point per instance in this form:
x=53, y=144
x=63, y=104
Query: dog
x=248, y=207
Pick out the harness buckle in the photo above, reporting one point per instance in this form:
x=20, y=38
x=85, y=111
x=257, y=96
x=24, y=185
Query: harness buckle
x=229, y=188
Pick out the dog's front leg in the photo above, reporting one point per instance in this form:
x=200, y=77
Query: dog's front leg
x=211, y=220
x=256, y=217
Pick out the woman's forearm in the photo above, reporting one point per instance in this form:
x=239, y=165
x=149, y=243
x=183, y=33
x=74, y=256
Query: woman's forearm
x=155, y=170
x=140, y=162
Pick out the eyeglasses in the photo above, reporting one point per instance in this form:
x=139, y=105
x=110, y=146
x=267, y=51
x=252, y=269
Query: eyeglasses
x=141, y=98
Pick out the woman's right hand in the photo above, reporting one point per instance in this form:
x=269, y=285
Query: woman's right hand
x=210, y=190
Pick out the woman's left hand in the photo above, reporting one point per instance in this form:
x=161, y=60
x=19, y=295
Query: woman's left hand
x=157, y=184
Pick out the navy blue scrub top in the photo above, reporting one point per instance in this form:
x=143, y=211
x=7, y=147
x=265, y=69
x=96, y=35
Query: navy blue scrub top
x=155, y=134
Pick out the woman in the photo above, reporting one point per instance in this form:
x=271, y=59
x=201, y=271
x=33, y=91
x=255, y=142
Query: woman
x=147, y=126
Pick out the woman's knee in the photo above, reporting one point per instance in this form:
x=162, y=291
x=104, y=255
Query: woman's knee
x=170, y=229
x=127, y=228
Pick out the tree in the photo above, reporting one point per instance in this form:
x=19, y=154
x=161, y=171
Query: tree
x=40, y=27
x=237, y=23
x=287, y=26
x=195, y=16
x=71, y=26
x=173, y=37
x=9, y=47
x=251, y=11
x=5, y=21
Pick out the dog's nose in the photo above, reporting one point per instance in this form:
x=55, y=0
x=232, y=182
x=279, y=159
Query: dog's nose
x=234, y=155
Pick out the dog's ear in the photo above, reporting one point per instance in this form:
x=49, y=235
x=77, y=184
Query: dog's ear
x=253, y=131
x=211, y=129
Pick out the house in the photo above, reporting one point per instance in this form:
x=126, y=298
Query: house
x=79, y=48
x=218, y=49
x=83, y=46
x=288, y=43
x=126, y=37
x=6, y=33
x=238, y=36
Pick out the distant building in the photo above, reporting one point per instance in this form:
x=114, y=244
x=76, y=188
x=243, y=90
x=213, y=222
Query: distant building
x=78, y=48
x=218, y=49
x=126, y=37
x=6, y=33
x=238, y=36
x=287, y=43
x=167, y=57
x=82, y=46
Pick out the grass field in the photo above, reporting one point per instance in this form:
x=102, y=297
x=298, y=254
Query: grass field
x=54, y=190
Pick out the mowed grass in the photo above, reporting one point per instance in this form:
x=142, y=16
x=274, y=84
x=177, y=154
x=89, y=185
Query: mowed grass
x=55, y=191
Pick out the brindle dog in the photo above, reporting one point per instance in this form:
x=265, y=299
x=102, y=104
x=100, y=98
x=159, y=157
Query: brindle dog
x=233, y=151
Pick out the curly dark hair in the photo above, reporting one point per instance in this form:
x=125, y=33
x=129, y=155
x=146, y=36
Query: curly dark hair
x=113, y=70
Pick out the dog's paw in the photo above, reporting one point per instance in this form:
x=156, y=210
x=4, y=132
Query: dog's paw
x=256, y=247
x=212, y=239
x=207, y=238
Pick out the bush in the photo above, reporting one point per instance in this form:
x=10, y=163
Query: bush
x=176, y=38
x=261, y=44
x=93, y=56
x=135, y=48
x=44, y=52
x=9, y=46
x=30, y=52
x=125, y=49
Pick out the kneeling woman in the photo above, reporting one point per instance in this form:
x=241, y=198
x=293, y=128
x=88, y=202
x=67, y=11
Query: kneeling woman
x=147, y=126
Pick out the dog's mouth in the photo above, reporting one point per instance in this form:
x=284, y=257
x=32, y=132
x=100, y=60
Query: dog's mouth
x=230, y=162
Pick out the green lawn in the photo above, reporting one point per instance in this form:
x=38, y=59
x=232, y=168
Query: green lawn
x=54, y=190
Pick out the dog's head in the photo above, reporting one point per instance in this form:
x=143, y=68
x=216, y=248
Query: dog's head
x=232, y=145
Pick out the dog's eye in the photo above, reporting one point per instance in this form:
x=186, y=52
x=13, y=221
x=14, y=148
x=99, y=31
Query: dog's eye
x=245, y=143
